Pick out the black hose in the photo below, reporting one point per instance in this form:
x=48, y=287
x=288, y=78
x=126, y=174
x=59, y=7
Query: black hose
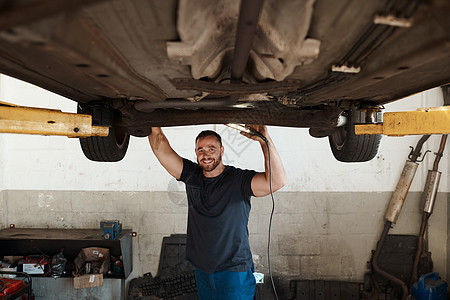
x=271, y=216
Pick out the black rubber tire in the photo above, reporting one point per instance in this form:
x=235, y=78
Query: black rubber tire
x=349, y=147
x=105, y=149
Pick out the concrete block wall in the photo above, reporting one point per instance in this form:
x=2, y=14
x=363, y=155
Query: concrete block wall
x=151, y=214
x=331, y=235
x=327, y=219
x=314, y=235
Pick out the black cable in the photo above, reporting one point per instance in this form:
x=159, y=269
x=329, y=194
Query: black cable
x=270, y=224
x=271, y=214
x=251, y=131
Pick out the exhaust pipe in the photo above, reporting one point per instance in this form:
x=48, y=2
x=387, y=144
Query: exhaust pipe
x=430, y=191
x=394, y=208
x=399, y=196
x=428, y=200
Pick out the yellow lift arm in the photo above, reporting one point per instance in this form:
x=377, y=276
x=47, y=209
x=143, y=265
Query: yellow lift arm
x=30, y=120
x=433, y=120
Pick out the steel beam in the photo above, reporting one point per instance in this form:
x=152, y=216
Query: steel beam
x=261, y=115
x=434, y=120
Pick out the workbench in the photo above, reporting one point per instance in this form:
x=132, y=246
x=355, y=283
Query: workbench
x=26, y=241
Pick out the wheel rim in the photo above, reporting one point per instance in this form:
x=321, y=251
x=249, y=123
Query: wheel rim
x=338, y=137
x=120, y=136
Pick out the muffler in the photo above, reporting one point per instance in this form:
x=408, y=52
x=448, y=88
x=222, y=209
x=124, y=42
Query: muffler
x=399, y=196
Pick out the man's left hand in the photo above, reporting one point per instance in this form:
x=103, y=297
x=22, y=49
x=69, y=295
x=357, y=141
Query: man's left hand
x=262, y=129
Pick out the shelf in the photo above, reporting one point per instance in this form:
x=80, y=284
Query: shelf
x=29, y=241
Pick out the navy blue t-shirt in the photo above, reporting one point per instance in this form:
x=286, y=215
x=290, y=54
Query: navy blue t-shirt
x=219, y=208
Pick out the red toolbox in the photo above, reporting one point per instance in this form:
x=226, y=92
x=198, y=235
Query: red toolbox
x=9, y=287
x=15, y=288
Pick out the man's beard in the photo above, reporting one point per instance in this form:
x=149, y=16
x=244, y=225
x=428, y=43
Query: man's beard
x=210, y=167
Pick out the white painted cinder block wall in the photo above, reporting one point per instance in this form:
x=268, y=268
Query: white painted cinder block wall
x=45, y=168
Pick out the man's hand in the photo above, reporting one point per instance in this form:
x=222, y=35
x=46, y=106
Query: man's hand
x=262, y=129
x=273, y=171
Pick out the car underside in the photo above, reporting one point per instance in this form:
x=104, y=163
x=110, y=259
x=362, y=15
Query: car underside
x=318, y=64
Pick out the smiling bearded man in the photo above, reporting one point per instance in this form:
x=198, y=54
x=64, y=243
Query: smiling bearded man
x=218, y=196
x=209, y=151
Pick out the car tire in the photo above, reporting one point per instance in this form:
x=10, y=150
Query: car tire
x=349, y=147
x=111, y=148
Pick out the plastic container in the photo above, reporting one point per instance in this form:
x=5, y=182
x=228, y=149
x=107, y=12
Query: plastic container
x=430, y=287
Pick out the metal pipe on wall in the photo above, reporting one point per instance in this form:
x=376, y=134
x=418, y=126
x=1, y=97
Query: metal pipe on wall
x=430, y=191
x=395, y=280
x=395, y=206
x=428, y=200
x=399, y=196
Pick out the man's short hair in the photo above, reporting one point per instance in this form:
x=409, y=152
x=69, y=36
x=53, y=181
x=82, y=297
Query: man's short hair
x=206, y=133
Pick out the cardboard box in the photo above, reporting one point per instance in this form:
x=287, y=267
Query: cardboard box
x=87, y=281
x=13, y=260
x=92, y=254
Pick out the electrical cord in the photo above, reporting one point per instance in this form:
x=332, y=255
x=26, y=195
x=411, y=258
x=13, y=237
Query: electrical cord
x=271, y=216
x=251, y=131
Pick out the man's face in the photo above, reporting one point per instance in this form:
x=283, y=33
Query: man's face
x=209, y=153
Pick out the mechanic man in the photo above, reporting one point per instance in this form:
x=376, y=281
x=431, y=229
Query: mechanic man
x=219, y=206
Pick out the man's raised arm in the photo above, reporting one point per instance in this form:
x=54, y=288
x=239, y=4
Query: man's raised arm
x=167, y=157
x=261, y=182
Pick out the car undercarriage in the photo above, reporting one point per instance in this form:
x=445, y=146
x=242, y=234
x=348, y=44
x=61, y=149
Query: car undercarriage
x=318, y=64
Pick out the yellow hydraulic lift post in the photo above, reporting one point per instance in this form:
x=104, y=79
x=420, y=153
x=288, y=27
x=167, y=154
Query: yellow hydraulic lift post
x=433, y=120
x=41, y=121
